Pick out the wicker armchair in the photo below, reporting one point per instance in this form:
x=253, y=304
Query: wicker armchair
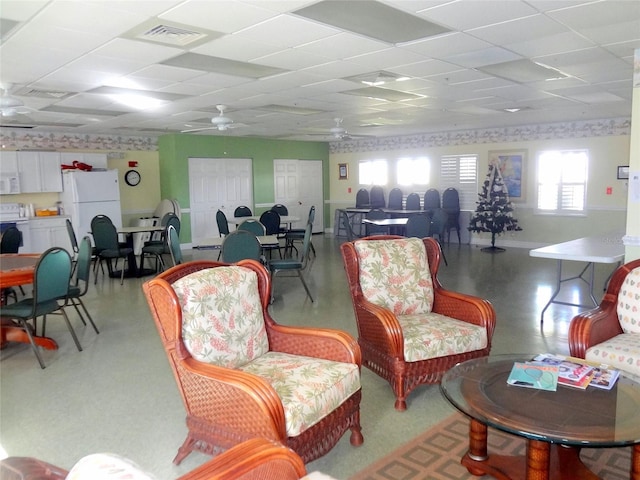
x=610, y=333
x=400, y=337
x=255, y=459
x=228, y=405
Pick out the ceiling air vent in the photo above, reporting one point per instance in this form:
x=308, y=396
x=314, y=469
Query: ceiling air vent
x=51, y=94
x=174, y=34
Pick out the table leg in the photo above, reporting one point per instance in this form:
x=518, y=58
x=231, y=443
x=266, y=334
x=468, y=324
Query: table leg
x=538, y=460
x=10, y=332
x=635, y=463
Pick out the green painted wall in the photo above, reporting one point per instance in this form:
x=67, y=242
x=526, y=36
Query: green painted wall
x=175, y=149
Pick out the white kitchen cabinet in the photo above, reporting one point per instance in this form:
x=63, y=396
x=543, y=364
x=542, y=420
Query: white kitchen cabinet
x=39, y=172
x=49, y=232
x=8, y=163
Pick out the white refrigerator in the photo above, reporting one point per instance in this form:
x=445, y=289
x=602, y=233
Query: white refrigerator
x=87, y=194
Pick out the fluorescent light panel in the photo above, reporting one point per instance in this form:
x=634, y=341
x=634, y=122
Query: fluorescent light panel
x=206, y=63
x=523, y=71
x=371, y=19
x=383, y=94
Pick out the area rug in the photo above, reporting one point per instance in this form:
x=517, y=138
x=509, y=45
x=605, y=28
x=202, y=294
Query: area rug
x=436, y=454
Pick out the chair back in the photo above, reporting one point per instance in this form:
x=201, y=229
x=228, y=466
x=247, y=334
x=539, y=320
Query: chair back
x=174, y=245
x=174, y=221
x=431, y=199
x=395, y=199
x=375, y=214
x=376, y=197
x=451, y=199
x=413, y=201
x=306, y=245
x=242, y=211
x=240, y=245
x=223, y=224
x=629, y=302
x=403, y=259
x=105, y=235
x=312, y=215
x=11, y=239
x=271, y=221
x=281, y=209
x=253, y=226
x=438, y=222
x=418, y=226
x=362, y=198
x=72, y=236
x=52, y=276
x=83, y=266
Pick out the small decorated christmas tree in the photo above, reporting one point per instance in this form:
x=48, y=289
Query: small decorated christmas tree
x=494, y=213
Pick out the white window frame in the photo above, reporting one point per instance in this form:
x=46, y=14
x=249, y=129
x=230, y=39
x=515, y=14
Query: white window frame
x=461, y=173
x=563, y=186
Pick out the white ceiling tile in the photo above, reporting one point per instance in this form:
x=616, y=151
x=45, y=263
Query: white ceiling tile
x=142, y=53
x=519, y=30
x=598, y=14
x=236, y=47
x=464, y=15
x=427, y=68
x=548, y=45
x=168, y=73
x=20, y=10
x=481, y=58
x=288, y=31
x=446, y=45
x=343, y=45
x=291, y=59
x=386, y=59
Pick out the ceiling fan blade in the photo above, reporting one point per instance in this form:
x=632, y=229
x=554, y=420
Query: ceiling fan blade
x=198, y=129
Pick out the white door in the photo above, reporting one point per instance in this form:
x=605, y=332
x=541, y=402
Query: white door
x=298, y=186
x=217, y=183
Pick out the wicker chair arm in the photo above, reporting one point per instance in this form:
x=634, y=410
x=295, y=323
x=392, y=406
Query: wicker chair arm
x=314, y=342
x=255, y=459
x=242, y=400
x=379, y=327
x=467, y=308
x=29, y=468
x=593, y=327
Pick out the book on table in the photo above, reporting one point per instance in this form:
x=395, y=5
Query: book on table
x=534, y=375
x=572, y=372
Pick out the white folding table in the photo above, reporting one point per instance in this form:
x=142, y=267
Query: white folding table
x=605, y=248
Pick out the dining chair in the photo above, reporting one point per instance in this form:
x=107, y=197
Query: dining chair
x=418, y=226
x=157, y=248
x=223, y=226
x=105, y=237
x=80, y=284
x=346, y=223
x=242, y=211
x=295, y=265
x=51, y=279
x=240, y=245
x=74, y=244
x=297, y=234
x=375, y=214
x=451, y=205
x=395, y=199
x=362, y=198
x=431, y=199
x=174, y=245
x=271, y=221
x=10, y=243
x=253, y=226
x=413, y=201
x=437, y=229
x=376, y=197
x=283, y=212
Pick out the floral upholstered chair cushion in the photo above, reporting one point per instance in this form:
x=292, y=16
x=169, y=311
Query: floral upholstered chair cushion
x=623, y=351
x=222, y=320
x=309, y=388
x=107, y=466
x=394, y=274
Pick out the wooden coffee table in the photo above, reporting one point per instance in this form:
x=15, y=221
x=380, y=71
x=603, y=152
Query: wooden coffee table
x=555, y=424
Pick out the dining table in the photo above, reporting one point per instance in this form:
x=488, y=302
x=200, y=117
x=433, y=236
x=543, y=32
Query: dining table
x=287, y=220
x=18, y=269
x=133, y=270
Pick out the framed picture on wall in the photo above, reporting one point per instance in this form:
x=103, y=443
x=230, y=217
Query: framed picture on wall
x=343, y=171
x=623, y=172
x=511, y=164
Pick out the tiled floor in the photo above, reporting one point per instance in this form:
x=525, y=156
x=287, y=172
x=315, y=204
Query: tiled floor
x=118, y=395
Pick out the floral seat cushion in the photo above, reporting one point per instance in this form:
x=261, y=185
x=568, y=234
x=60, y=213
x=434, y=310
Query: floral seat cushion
x=309, y=388
x=621, y=352
x=107, y=466
x=629, y=302
x=394, y=274
x=431, y=335
x=222, y=320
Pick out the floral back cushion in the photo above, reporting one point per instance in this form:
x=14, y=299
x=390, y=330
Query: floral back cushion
x=629, y=302
x=222, y=320
x=394, y=274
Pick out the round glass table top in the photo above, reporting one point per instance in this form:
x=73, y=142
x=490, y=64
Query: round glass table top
x=570, y=416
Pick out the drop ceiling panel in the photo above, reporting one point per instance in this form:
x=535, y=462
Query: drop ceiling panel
x=292, y=59
x=481, y=58
x=464, y=15
x=236, y=47
x=427, y=68
x=446, y=45
x=387, y=59
x=288, y=31
x=343, y=45
x=549, y=45
x=521, y=30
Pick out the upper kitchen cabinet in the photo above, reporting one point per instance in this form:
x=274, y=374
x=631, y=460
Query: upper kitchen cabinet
x=8, y=162
x=39, y=172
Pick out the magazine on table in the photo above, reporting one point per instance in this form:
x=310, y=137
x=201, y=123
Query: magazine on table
x=571, y=371
x=534, y=375
x=604, y=377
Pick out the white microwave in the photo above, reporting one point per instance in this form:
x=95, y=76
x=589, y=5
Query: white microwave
x=9, y=183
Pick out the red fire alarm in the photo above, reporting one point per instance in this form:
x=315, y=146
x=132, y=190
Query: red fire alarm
x=133, y=164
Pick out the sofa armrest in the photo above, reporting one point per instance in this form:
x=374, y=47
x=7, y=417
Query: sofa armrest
x=29, y=468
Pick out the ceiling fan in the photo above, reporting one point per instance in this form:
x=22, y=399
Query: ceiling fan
x=220, y=123
x=340, y=133
x=11, y=106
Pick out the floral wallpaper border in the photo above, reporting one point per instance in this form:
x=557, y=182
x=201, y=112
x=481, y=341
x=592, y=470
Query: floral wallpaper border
x=583, y=129
x=13, y=140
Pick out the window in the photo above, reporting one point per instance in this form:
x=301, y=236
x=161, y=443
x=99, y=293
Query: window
x=461, y=173
x=562, y=181
x=373, y=172
x=412, y=171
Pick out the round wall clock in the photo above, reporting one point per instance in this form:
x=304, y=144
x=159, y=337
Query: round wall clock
x=132, y=177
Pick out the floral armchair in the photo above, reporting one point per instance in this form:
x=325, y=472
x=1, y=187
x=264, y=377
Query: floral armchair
x=255, y=459
x=610, y=333
x=410, y=329
x=240, y=374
